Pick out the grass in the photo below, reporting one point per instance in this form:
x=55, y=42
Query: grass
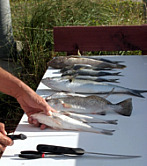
x=33, y=22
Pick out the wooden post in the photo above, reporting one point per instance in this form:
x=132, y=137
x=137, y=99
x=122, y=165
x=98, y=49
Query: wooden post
x=7, y=44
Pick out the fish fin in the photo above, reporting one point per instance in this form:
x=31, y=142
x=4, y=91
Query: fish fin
x=109, y=93
x=66, y=105
x=111, y=122
x=102, y=113
x=98, y=130
x=116, y=74
x=120, y=66
x=112, y=80
x=105, y=131
x=126, y=107
x=138, y=92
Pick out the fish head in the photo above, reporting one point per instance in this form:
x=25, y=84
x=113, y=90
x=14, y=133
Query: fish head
x=57, y=62
x=52, y=102
x=55, y=83
x=49, y=81
x=46, y=81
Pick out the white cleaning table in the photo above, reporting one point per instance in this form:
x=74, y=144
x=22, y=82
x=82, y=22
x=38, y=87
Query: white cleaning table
x=130, y=136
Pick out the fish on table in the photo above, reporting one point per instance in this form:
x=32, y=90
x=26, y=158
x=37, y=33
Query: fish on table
x=93, y=78
x=102, y=59
x=90, y=72
x=82, y=66
x=59, y=121
x=62, y=61
x=88, y=87
x=90, y=105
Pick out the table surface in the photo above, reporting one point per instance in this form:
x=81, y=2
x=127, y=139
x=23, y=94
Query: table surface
x=129, y=138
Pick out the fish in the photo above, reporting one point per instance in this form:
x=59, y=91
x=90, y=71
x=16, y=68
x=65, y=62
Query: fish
x=92, y=78
x=62, y=61
x=89, y=72
x=90, y=105
x=97, y=79
x=102, y=59
x=62, y=94
x=88, y=119
x=88, y=87
x=82, y=66
x=62, y=122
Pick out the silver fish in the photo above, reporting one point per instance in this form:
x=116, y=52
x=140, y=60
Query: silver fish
x=89, y=72
x=59, y=121
x=62, y=61
x=90, y=105
x=88, y=86
x=92, y=78
x=88, y=119
x=62, y=94
x=97, y=79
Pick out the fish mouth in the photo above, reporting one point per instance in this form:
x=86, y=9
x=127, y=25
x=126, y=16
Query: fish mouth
x=48, y=82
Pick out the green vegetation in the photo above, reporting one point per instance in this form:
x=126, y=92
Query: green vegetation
x=33, y=21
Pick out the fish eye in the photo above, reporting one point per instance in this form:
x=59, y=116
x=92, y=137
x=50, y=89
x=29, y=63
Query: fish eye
x=70, y=80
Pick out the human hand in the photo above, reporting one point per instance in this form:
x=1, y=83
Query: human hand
x=4, y=140
x=32, y=103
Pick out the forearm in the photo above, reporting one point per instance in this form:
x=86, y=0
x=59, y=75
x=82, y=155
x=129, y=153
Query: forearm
x=11, y=85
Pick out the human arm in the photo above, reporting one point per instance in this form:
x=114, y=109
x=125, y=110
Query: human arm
x=27, y=98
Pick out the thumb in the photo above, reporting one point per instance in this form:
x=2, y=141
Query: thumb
x=2, y=129
x=48, y=110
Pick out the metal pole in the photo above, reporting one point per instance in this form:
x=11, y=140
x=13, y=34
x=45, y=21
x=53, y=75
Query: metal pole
x=7, y=43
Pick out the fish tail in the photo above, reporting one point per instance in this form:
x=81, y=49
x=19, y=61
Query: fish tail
x=102, y=131
x=116, y=74
x=119, y=66
x=126, y=109
x=138, y=92
x=107, y=132
x=111, y=80
x=111, y=121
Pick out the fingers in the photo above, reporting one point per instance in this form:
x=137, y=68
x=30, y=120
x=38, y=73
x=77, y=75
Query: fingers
x=2, y=129
x=43, y=126
x=33, y=121
x=4, y=140
x=36, y=123
x=48, y=110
